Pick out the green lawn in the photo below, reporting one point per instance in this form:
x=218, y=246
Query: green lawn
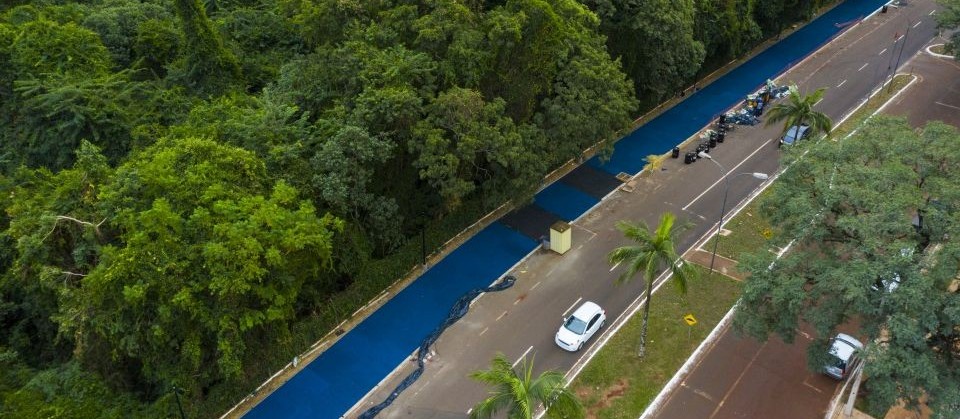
x=748, y=230
x=617, y=384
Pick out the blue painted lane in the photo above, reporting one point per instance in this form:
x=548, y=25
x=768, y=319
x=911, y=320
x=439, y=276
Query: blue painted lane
x=564, y=200
x=686, y=118
x=346, y=371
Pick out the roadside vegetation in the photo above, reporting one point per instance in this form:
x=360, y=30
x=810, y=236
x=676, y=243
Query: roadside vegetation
x=911, y=332
x=618, y=384
x=196, y=191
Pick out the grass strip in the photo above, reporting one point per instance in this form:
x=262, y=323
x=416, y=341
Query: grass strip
x=617, y=384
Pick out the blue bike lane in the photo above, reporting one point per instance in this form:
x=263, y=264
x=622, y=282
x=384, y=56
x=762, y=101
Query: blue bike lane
x=339, y=377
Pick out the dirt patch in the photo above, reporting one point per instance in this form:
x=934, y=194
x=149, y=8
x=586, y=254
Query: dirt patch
x=607, y=396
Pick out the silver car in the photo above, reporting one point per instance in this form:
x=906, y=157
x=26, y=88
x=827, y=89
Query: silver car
x=843, y=351
x=577, y=329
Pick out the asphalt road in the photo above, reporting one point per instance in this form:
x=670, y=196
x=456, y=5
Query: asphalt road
x=936, y=94
x=738, y=377
x=522, y=320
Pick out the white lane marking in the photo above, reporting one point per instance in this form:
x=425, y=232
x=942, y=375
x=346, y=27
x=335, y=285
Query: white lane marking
x=522, y=356
x=898, y=38
x=881, y=52
x=918, y=24
x=469, y=410
x=949, y=106
x=484, y=331
x=614, y=267
x=571, y=307
x=734, y=169
x=818, y=102
x=863, y=66
x=931, y=13
x=535, y=285
x=501, y=316
x=841, y=84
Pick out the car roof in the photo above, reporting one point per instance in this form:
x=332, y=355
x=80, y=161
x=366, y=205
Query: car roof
x=587, y=310
x=794, y=132
x=844, y=345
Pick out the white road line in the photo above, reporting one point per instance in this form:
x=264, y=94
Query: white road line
x=881, y=52
x=949, y=106
x=469, y=410
x=931, y=13
x=522, y=356
x=535, y=285
x=484, y=331
x=841, y=83
x=571, y=307
x=614, y=267
x=818, y=102
x=501, y=316
x=734, y=169
x=898, y=39
x=863, y=66
x=918, y=24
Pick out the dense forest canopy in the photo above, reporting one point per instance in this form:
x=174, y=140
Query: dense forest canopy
x=187, y=183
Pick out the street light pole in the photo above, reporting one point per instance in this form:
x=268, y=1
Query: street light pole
x=723, y=206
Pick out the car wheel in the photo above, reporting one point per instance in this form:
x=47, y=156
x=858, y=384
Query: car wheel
x=580, y=347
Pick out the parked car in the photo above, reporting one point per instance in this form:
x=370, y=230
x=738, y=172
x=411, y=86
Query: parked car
x=844, y=351
x=580, y=326
x=795, y=133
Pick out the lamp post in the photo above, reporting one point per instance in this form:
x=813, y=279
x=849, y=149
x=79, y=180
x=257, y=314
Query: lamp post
x=723, y=206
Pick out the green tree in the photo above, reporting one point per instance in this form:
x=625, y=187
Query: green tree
x=949, y=18
x=209, y=255
x=118, y=23
x=59, y=229
x=592, y=102
x=520, y=394
x=798, y=110
x=527, y=40
x=208, y=67
x=848, y=208
x=652, y=251
x=466, y=142
x=58, y=111
x=44, y=47
x=655, y=41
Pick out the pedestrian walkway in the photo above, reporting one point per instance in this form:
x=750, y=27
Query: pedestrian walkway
x=336, y=379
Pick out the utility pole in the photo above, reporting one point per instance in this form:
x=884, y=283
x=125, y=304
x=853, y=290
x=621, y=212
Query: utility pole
x=902, y=46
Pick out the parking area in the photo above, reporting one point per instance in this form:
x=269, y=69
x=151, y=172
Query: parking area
x=736, y=377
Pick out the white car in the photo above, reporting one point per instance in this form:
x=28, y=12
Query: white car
x=577, y=329
x=843, y=349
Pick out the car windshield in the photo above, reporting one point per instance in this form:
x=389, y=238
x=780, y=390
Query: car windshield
x=575, y=325
x=837, y=362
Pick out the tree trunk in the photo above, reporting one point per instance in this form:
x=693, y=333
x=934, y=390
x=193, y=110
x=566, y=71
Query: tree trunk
x=642, y=348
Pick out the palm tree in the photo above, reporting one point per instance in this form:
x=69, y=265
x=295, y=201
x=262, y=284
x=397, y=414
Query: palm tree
x=653, y=251
x=798, y=110
x=520, y=394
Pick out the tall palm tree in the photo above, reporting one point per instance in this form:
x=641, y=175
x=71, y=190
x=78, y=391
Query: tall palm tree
x=519, y=393
x=652, y=251
x=798, y=110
